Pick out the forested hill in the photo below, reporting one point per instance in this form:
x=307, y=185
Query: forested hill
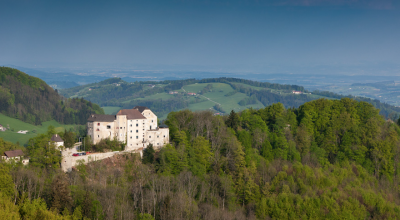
x=31, y=100
x=220, y=94
x=327, y=159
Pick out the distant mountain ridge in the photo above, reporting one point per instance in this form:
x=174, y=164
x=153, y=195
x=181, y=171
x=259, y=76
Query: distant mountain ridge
x=31, y=100
x=219, y=94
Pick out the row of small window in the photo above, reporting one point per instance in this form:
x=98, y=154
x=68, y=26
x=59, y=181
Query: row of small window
x=138, y=144
x=137, y=125
x=137, y=137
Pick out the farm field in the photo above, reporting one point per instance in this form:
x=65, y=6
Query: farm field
x=156, y=96
x=217, y=96
x=33, y=130
x=252, y=87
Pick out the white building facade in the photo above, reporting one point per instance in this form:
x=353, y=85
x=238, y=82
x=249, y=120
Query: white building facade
x=136, y=127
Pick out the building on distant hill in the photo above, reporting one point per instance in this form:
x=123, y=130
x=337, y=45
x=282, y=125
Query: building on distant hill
x=136, y=127
x=2, y=128
x=191, y=93
x=297, y=92
x=56, y=139
x=14, y=155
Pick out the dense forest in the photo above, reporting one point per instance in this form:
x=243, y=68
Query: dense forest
x=128, y=95
x=31, y=100
x=327, y=159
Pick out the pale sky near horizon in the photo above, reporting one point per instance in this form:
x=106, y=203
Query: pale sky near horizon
x=235, y=33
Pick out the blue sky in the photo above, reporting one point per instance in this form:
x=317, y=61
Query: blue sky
x=238, y=34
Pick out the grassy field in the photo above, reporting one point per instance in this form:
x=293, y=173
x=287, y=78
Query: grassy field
x=156, y=96
x=252, y=87
x=33, y=130
x=217, y=96
x=197, y=87
x=110, y=109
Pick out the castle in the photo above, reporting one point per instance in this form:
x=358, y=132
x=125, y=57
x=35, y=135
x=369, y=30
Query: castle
x=136, y=127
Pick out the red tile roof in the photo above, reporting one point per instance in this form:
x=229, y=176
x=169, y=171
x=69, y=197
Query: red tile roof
x=14, y=153
x=131, y=114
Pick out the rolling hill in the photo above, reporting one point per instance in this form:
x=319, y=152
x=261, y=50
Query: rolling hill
x=218, y=94
x=31, y=100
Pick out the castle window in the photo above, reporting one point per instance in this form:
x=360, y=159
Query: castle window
x=149, y=136
x=97, y=129
x=137, y=137
x=164, y=135
x=98, y=123
x=151, y=120
x=137, y=131
x=131, y=137
x=137, y=125
x=157, y=136
x=108, y=126
x=98, y=136
x=131, y=125
x=120, y=127
x=158, y=143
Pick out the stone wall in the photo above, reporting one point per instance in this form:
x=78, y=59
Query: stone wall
x=69, y=161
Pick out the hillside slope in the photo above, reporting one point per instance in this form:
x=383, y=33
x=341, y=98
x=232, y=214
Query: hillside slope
x=31, y=100
x=218, y=94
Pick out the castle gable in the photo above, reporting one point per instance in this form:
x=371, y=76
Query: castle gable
x=101, y=118
x=131, y=114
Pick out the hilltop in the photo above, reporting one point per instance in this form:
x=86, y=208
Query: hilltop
x=31, y=100
x=218, y=94
x=327, y=159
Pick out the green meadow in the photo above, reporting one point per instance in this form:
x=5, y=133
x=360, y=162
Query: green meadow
x=33, y=130
x=217, y=96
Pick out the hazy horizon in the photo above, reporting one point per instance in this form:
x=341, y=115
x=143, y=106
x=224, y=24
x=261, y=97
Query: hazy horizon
x=304, y=36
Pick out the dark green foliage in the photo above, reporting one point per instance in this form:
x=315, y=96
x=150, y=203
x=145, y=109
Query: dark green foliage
x=6, y=182
x=104, y=144
x=248, y=101
x=218, y=108
x=231, y=93
x=31, y=100
x=327, y=159
x=158, y=106
x=148, y=155
x=233, y=120
x=206, y=89
x=7, y=146
x=69, y=138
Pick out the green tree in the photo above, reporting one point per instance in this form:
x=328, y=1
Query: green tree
x=7, y=208
x=148, y=155
x=60, y=193
x=6, y=183
x=233, y=120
